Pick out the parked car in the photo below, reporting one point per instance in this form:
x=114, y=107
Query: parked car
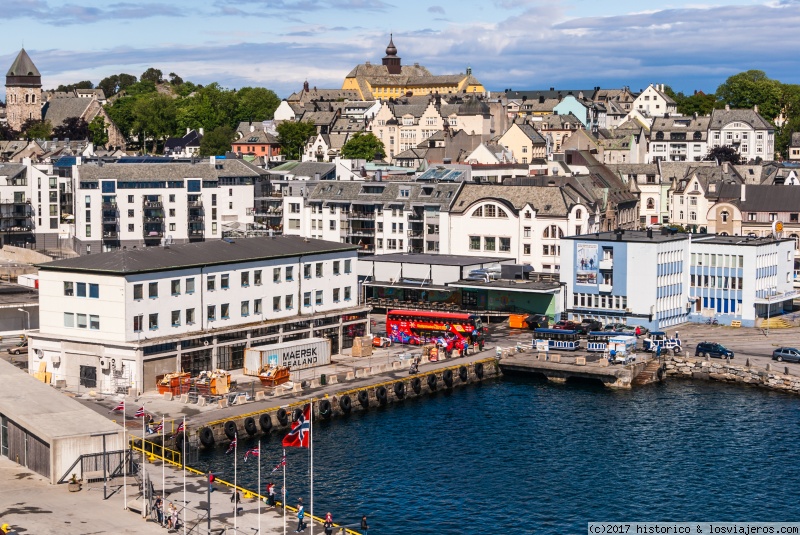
x=566, y=325
x=588, y=325
x=381, y=341
x=789, y=354
x=712, y=349
x=615, y=327
x=21, y=347
x=537, y=321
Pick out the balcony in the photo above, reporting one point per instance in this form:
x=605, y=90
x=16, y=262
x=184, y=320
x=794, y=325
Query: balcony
x=607, y=264
x=604, y=288
x=110, y=234
x=361, y=232
x=366, y=216
x=196, y=232
x=109, y=206
x=195, y=204
x=196, y=218
x=416, y=217
x=152, y=204
x=416, y=234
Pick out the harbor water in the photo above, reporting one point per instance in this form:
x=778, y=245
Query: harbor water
x=520, y=456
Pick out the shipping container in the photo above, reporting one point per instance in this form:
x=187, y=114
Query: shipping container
x=30, y=280
x=297, y=354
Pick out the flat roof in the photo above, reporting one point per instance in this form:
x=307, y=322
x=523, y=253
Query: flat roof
x=718, y=239
x=189, y=255
x=630, y=236
x=507, y=284
x=440, y=259
x=46, y=412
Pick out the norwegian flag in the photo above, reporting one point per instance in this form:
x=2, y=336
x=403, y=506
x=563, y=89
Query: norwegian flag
x=159, y=427
x=180, y=429
x=255, y=452
x=280, y=464
x=139, y=412
x=232, y=445
x=299, y=436
x=120, y=406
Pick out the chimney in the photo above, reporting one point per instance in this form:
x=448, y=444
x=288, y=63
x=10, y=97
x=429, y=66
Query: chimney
x=755, y=108
x=252, y=128
x=743, y=195
x=727, y=107
x=202, y=131
x=188, y=129
x=725, y=167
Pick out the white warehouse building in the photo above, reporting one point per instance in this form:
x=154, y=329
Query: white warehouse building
x=117, y=320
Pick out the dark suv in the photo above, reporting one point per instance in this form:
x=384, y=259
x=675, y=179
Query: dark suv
x=712, y=349
x=588, y=325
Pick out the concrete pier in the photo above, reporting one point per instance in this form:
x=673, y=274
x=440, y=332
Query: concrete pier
x=559, y=369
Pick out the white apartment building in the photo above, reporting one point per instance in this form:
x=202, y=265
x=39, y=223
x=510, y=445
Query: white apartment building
x=693, y=195
x=654, y=102
x=745, y=130
x=140, y=204
x=117, y=320
x=678, y=139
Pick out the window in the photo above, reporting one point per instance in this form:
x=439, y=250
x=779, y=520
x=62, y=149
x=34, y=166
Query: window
x=526, y=249
x=137, y=324
x=276, y=303
x=478, y=212
x=152, y=322
x=175, y=287
x=348, y=266
x=257, y=277
x=319, y=269
x=307, y=299
x=347, y=293
x=491, y=210
x=69, y=319
x=224, y=281
x=69, y=289
x=131, y=227
x=289, y=273
x=80, y=289
x=505, y=245
x=724, y=216
x=189, y=316
x=336, y=295
x=474, y=243
x=176, y=318
x=88, y=231
x=318, y=297
x=94, y=291
x=526, y=232
x=190, y=285
x=211, y=312
x=751, y=216
x=81, y=323
x=773, y=217
x=335, y=267
x=489, y=244
x=289, y=301
x=650, y=203
x=307, y=271
x=257, y=308
x=693, y=216
x=245, y=309
x=225, y=311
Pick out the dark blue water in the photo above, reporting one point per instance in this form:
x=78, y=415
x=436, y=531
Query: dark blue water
x=516, y=456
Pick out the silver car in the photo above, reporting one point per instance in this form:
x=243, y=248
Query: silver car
x=788, y=354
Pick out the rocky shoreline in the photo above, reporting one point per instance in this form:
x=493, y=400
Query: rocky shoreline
x=732, y=372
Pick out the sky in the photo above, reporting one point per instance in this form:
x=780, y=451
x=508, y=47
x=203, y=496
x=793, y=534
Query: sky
x=516, y=44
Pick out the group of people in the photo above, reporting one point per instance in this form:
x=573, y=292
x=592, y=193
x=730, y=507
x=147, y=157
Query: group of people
x=166, y=518
x=327, y=525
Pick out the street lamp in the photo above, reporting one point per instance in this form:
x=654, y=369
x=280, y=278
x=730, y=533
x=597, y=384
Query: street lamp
x=28, y=314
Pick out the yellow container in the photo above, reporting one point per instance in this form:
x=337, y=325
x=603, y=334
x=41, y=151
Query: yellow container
x=517, y=321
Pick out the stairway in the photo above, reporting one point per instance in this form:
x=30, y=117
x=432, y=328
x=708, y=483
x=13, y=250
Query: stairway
x=775, y=323
x=649, y=374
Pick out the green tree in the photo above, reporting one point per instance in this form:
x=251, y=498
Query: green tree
x=72, y=128
x=724, y=154
x=217, y=142
x=32, y=129
x=152, y=75
x=7, y=133
x=255, y=104
x=752, y=88
x=98, y=132
x=699, y=103
x=121, y=112
x=86, y=84
x=209, y=107
x=111, y=85
x=174, y=79
x=293, y=136
x=154, y=117
x=363, y=147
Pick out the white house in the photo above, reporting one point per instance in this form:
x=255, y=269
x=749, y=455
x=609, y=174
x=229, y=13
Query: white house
x=653, y=102
x=678, y=139
x=745, y=130
x=117, y=320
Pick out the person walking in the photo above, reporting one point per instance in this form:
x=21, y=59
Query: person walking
x=481, y=340
x=158, y=506
x=301, y=514
x=328, y=525
x=236, y=498
x=638, y=331
x=364, y=526
x=168, y=515
x=271, y=494
x=174, y=519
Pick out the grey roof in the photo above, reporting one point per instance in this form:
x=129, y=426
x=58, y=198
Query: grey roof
x=721, y=118
x=304, y=169
x=170, y=171
x=795, y=139
x=326, y=94
x=673, y=171
x=434, y=259
x=689, y=125
x=23, y=66
x=706, y=175
x=764, y=198
x=629, y=236
x=57, y=110
x=192, y=255
x=552, y=93
x=625, y=169
x=555, y=121
x=546, y=200
x=420, y=194
x=532, y=134
x=10, y=170
x=258, y=136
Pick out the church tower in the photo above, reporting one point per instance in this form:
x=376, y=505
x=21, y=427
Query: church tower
x=23, y=91
x=391, y=60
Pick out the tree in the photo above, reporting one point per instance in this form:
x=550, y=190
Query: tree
x=121, y=112
x=111, y=85
x=72, y=128
x=752, y=88
x=724, y=154
x=293, y=136
x=86, y=84
x=174, y=79
x=155, y=117
x=363, y=147
x=255, y=104
x=98, y=132
x=7, y=133
x=32, y=129
x=209, y=107
x=152, y=75
x=217, y=142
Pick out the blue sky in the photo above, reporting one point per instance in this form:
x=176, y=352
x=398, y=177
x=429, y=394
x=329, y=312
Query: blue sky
x=519, y=44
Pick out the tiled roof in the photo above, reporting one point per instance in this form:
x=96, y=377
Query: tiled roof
x=169, y=171
x=57, y=110
x=23, y=66
x=546, y=200
x=721, y=118
x=441, y=194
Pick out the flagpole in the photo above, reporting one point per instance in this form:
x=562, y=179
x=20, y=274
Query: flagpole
x=259, y=486
x=125, y=453
x=284, y=491
x=163, y=461
x=311, y=449
x=183, y=462
x=235, y=490
x=144, y=470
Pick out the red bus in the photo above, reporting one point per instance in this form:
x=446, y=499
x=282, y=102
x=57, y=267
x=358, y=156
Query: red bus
x=418, y=327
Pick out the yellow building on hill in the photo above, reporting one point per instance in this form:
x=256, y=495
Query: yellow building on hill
x=391, y=79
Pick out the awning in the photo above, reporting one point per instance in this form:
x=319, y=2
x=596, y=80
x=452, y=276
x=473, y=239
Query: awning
x=413, y=286
x=777, y=298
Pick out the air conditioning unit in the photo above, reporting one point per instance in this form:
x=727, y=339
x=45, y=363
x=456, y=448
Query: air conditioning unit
x=105, y=364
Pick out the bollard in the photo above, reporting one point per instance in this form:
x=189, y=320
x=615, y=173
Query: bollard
x=350, y=376
x=333, y=379
x=314, y=383
x=201, y=401
x=222, y=403
x=786, y=370
x=184, y=398
x=167, y=396
x=747, y=363
x=769, y=367
x=260, y=395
